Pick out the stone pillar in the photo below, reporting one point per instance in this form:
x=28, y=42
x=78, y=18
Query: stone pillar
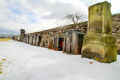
x=55, y=42
x=28, y=38
x=22, y=34
x=38, y=39
x=99, y=43
x=77, y=40
x=68, y=42
x=64, y=44
x=31, y=39
x=25, y=38
x=50, y=42
x=34, y=39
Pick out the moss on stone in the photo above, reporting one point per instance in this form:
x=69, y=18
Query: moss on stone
x=99, y=43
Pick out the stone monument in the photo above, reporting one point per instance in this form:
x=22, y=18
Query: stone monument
x=99, y=44
x=22, y=34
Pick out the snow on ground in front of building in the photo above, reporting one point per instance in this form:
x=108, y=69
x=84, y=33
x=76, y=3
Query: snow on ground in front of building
x=24, y=62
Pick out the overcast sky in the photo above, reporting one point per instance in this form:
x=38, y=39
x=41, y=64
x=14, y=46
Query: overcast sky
x=37, y=15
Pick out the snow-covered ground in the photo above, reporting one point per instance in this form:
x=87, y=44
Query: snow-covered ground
x=25, y=62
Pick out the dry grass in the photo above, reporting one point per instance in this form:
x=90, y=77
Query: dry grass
x=2, y=60
x=4, y=39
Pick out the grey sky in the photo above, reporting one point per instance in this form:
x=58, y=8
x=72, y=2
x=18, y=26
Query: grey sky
x=37, y=15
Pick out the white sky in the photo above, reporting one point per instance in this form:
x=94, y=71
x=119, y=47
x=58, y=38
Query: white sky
x=37, y=15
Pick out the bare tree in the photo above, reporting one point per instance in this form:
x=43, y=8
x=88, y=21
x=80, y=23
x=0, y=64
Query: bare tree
x=75, y=18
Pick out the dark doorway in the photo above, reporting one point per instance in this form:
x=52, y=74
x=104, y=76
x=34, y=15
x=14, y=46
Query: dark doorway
x=39, y=40
x=60, y=44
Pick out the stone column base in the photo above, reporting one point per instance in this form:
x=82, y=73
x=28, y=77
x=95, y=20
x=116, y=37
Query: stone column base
x=100, y=47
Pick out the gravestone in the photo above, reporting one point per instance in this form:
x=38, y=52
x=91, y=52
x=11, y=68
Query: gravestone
x=99, y=44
